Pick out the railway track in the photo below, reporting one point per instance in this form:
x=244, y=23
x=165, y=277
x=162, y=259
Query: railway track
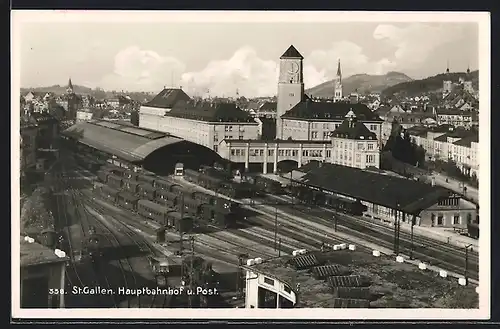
x=449, y=259
x=132, y=264
x=73, y=271
x=152, y=301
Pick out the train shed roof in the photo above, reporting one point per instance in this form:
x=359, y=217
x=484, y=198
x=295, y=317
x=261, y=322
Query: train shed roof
x=389, y=191
x=128, y=143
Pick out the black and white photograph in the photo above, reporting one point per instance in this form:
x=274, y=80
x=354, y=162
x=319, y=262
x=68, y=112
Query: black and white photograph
x=288, y=165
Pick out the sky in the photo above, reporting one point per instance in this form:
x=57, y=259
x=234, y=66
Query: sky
x=221, y=58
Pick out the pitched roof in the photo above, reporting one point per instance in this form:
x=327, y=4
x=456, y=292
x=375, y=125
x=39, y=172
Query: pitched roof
x=210, y=112
x=37, y=254
x=167, y=98
x=268, y=107
x=383, y=190
x=442, y=111
x=325, y=111
x=291, y=52
x=355, y=131
x=467, y=141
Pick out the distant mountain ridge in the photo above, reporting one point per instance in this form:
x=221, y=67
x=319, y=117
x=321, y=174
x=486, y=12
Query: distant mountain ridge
x=362, y=83
x=59, y=90
x=82, y=90
x=428, y=85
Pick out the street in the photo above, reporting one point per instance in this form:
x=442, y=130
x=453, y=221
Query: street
x=456, y=186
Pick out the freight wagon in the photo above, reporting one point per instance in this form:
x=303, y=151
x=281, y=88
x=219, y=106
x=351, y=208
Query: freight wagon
x=146, y=191
x=109, y=193
x=114, y=181
x=127, y=200
x=131, y=186
x=146, y=178
x=164, y=184
x=153, y=211
x=167, y=198
x=181, y=223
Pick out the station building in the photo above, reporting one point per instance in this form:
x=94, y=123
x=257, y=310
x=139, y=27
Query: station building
x=390, y=198
x=304, y=126
x=128, y=146
x=41, y=270
x=202, y=122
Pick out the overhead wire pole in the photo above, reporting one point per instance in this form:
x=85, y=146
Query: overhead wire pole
x=180, y=225
x=191, y=272
x=466, y=274
x=275, y=226
x=411, y=236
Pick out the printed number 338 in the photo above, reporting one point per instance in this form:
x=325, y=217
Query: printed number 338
x=56, y=291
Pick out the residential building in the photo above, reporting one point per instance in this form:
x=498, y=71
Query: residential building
x=449, y=143
x=353, y=145
x=454, y=117
x=28, y=135
x=84, y=115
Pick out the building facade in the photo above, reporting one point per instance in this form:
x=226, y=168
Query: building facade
x=301, y=118
x=28, y=144
x=353, y=145
x=83, y=115
x=42, y=271
x=454, y=117
x=202, y=122
x=447, y=143
x=290, y=86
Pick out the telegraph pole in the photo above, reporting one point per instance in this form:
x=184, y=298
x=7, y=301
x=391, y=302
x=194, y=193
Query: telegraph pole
x=411, y=237
x=335, y=220
x=279, y=247
x=275, y=226
x=181, y=225
x=191, y=273
x=467, y=263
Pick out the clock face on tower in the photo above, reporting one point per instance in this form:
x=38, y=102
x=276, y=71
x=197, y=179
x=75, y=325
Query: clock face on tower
x=293, y=68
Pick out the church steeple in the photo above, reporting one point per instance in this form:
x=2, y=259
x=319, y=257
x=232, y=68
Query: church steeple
x=70, y=87
x=338, y=85
x=339, y=73
x=447, y=67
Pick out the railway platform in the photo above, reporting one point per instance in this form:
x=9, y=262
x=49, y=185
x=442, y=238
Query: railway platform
x=444, y=234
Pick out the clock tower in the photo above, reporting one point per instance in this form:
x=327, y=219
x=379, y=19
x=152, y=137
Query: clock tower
x=290, y=85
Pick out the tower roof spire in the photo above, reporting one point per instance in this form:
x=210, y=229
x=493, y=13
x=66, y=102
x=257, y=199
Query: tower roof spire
x=468, y=68
x=448, y=66
x=291, y=52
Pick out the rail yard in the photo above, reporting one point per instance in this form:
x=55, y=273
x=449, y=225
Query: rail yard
x=144, y=241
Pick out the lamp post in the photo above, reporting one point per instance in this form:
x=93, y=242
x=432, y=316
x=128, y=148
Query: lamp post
x=335, y=220
x=467, y=263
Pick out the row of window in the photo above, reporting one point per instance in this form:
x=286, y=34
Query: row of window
x=438, y=220
x=349, y=145
x=449, y=202
x=293, y=153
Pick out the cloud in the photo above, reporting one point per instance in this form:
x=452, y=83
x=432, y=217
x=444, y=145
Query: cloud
x=413, y=44
x=250, y=75
x=137, y=69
